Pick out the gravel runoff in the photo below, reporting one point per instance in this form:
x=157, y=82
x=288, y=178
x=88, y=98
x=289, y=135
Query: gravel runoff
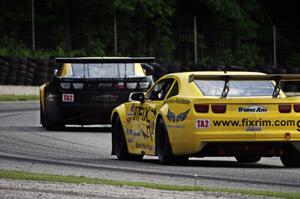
x=40, y=189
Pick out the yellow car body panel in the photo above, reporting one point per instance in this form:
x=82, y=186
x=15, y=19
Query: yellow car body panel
x=42, y=96
x=251, y=119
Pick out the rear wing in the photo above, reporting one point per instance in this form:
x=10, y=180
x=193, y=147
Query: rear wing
x=227, y=77
x=62, y=60
x=251, y=77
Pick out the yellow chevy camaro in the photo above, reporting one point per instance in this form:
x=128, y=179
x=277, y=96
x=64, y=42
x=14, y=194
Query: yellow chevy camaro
x=198, y=114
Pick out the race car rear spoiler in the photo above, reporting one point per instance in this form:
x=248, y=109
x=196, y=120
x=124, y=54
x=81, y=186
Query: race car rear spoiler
x=254, y=77
x=228, y=77
x=62, y=60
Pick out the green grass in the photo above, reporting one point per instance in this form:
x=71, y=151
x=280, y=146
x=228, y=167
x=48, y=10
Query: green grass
x=18, y=175
x=18, y=97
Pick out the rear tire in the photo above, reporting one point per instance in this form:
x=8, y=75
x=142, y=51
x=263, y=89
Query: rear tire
x=49, y=125
x=247, y=159
x=290, y=157
x=120, y=144
x=42, y=116
x=163, y=147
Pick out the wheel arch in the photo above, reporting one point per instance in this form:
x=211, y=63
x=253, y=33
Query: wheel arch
x=113, y=118
x=158, y=117
x=42, y=96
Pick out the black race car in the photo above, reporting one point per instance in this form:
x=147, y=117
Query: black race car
x=86, y=89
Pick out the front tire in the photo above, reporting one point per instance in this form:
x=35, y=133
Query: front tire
x=163, y=147
x=290, y=157
x=119, y=142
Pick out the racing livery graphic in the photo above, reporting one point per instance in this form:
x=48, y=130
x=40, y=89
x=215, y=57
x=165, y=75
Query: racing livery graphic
x=179, y=118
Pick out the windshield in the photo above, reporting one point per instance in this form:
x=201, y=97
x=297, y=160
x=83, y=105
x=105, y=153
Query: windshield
x=100, y=70
x=236, y=88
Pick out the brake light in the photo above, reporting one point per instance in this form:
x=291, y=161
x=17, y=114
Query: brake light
x=218, y=108
x=120, y=85
x=201, y=108
x=297, y=107
x=131, y=85
x=65, y=85
x=78, y=85
x=284, y=108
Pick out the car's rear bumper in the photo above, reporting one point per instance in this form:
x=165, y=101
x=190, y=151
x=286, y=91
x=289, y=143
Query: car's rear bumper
x=79, y=113
x=197, y=142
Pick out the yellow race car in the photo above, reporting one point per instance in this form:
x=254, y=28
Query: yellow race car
x=198, y=114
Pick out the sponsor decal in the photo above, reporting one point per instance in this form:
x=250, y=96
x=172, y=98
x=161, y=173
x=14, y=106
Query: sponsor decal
x=177, y=118
x=142, y=113
x=175, y=126
x=253, y=128
x=105, y=98
x=178, y=101
x=128, y=119
x=129, y=140
x=253, y=109
x=143, y=146
x=132, y=108
x=202, y=123
x=130, y=114
x=133, y=132
x=68, y=97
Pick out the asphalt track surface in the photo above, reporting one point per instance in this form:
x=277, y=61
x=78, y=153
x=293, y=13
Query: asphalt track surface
x=85, y=151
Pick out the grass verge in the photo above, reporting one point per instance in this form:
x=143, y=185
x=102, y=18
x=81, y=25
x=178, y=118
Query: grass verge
x=18, y=175
x=18, y=97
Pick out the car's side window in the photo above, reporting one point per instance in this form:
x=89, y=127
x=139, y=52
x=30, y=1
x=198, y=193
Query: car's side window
x=160, y=89
x=174, y=90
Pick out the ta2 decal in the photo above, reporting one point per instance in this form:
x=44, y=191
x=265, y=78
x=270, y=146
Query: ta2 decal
x=202, y=123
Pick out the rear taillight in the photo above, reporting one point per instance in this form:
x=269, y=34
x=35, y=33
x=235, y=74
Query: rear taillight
x=65, y=85
x=284, y=108
x=218, y=108
x=78, y=85
x=297, y=107
x=131, y=85
x=201, y=108
x=120, y=85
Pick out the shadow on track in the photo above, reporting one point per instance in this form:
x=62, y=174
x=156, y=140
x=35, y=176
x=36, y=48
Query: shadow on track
x=212, y=163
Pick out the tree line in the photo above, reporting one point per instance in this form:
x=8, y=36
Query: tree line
x=228, y=32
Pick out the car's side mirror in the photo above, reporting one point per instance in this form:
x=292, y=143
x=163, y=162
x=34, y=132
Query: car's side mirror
x=137, y=96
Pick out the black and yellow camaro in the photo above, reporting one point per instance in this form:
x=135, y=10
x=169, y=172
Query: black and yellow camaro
x=86, y=89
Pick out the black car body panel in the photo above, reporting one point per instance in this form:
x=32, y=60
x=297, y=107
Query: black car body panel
x=86, y=100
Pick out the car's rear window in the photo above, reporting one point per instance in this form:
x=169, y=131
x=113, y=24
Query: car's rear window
x=101, y=70
x=236, y=88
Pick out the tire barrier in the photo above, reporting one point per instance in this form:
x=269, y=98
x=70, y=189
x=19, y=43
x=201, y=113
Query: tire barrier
x=37, y=71
x=25, y=71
